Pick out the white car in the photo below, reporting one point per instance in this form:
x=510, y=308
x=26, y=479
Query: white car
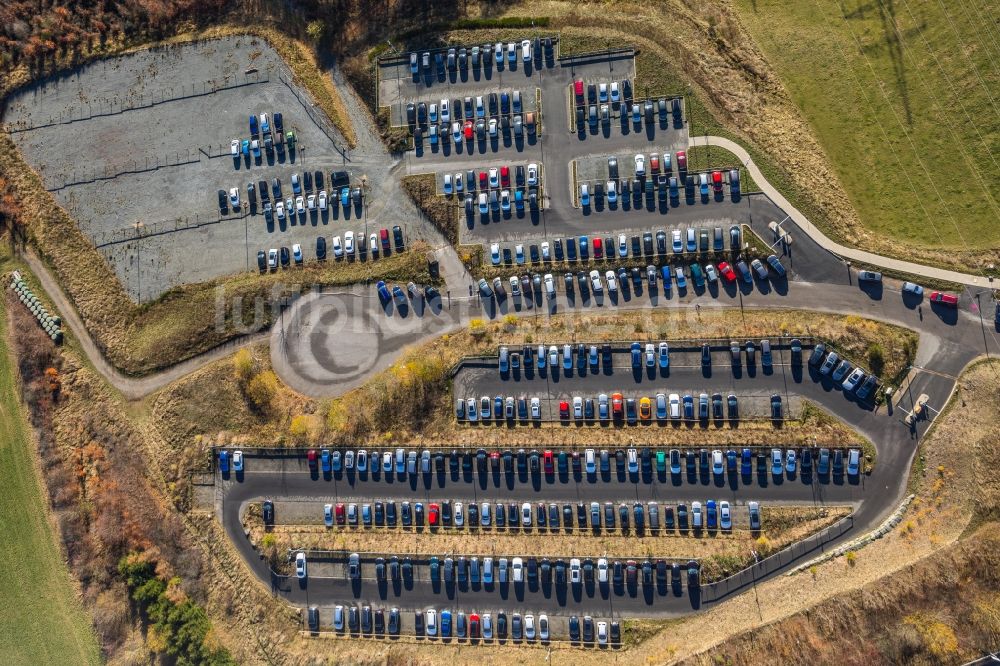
x=445, y=111
x=526, y=514
x=602, y=633
x=311, y=202
x=494, y=177
x=696, y=515
x=532, y=174
x=553, y=356
x=717, y=464
x=543, y=626
x=238, y=461
x=725, y=516
x=526, y=50
x=447, y=184
x=612, y=282
x=546, y=255
x=595, y=282
x=512, y=52
x=234, y=147
x=322, y=199
x=498, y=52
x=590, y=460
x=519, y=254
x=640, y=165
x=297, y=253
x=517, y=569
x=574, y=571
x=373, y=244
x=279, y=210
x=602, y=570
x=633, y=460
x=536, y=408
x=484, y=205
x=459, y=183
x=459, y=515
x=272, y=258
x=529, y=627
x=328, y=515
x=853, y=379
x=615, y=93
x=349, y=242
x=300, y=565
x=456, y=132
x=432, y=112
x=675, y=405
x=234, y=197
x=622, y=245
x=550, y=285
x=338, y=248
x=677, y=244
x=612, y=191
x=493, y=127
x=577, y=407
x=430, y=622
x=338, y=617
x=300, y=205
x=495, y=254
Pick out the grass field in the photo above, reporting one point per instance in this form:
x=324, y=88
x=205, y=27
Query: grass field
x=905, y=101
x=43, y=621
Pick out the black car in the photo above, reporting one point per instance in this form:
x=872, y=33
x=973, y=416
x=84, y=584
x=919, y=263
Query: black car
x=321, y=248
x=307, y=181
x=647, y=243
x=223, y=202
x=340, y=179
x=261, y=261
x=267, y=511
x=411, y=114
x=285, y=257
x=397, y=238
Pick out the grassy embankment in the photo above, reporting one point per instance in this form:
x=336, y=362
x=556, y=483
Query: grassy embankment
x=44, y=622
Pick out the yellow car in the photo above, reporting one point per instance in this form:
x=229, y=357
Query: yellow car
x=645, y=411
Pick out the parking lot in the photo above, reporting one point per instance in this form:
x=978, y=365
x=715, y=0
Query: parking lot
x=154, y=129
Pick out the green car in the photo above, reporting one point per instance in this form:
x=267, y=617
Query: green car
x=697, y=275
x=661, y=462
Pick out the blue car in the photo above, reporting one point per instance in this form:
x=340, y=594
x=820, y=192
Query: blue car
x=224, y=462
x=324, y=457
x=445, y=624
x=712, y=514
x=674, y=192
x=519, y=199
x=636, y=355
x=253, y=125
x=665, y=274
x=746, y=460
x=383, y=291
x=245, y=147
x=584, y=247
x=345, y=197
x=703, y=184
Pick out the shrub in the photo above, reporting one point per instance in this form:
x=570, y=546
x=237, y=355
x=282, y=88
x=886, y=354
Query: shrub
x=261, y=391
x=852, y=558
x=244, y=367
x=876, y=358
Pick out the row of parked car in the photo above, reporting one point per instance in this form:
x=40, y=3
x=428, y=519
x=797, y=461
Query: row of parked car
x=552, y=463
x=308, y=193
x=649, y=245
x=843, y=372
x=378, y=244
x=607, y=408
x=531, y=285
x=477, y=130
x=460, y=58
x=480, y=107
x=494, y=178
x=263, y=136
x=458, y=515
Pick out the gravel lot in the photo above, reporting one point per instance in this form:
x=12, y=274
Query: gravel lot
x=110, y=135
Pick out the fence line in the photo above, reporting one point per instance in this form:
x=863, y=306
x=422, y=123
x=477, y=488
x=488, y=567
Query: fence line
x=144, y=230
x=117, y=106
x=321, y=122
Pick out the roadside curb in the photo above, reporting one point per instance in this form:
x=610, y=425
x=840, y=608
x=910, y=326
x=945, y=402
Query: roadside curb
x=887, y=526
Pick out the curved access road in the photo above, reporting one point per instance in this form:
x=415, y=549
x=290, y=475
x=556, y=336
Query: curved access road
x=825, y=242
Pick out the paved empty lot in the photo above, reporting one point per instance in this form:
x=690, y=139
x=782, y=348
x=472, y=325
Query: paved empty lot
x=144, y=140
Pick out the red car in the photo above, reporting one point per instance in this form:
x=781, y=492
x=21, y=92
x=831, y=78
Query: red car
x=682, y=160
x=727, y=271
x=616, y=405
x=311, y=457
x=547, y=462
x=564, y=409
x=950, y=300
x=578, y=89
x=598, y=248
x=467, y=130
x=384, y=235
x=432, y=515
x=717, y=180
x=484, y=182
x=473, y=625
x=339, y=513
x=654, y=164
x=505, y=176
